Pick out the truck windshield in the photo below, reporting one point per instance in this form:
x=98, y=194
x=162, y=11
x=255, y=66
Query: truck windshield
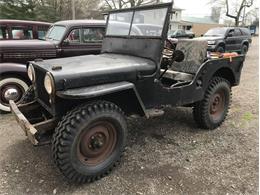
x=215, y=32
x=55, y=33
x=137, y=23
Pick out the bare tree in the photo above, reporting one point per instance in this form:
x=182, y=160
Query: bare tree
x=118, y=4
x=236, y=16
x=234, y=9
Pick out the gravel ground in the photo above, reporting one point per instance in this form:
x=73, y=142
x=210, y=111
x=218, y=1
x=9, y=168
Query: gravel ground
x=165, y=155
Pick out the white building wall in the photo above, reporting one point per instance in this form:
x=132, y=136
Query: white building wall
x=175, y=19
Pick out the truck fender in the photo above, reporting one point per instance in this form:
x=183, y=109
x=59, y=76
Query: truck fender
x=12, y=68
x=221, y=44
x=124, y=94
x=245, y=42
x=15, y=70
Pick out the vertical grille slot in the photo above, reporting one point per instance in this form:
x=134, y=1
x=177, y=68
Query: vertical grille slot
x=40, y=90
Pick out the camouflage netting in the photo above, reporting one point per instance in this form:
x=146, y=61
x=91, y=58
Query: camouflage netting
x=195, y=52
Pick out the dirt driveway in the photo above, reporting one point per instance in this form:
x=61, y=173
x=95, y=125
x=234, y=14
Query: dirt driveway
x=165, y=155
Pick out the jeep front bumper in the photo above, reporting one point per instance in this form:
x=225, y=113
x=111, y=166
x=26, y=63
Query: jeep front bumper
x=32, y=119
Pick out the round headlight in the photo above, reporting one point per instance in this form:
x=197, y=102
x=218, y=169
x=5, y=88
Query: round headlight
x=48, y=83
x=31, y=73
x=211, y=42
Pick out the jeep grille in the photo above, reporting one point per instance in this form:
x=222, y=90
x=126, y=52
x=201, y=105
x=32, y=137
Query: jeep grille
x=41, y=93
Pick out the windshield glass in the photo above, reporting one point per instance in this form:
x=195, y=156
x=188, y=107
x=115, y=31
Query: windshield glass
x=215, y=32
x=144, y=23
x=119, y=23
x=55, y=33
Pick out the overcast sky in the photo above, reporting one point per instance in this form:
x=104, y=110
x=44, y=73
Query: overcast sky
x=193, y=7
x=197, y=8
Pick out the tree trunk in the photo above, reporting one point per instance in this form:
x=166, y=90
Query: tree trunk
x=237, y=21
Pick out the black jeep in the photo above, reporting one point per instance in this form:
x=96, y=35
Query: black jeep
x=82, y=102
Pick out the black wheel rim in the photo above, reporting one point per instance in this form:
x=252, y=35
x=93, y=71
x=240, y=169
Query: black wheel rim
x=217, y=105
x=96, y=143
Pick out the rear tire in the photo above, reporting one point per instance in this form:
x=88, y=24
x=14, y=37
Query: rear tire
x=211, y=112
x=89, y=141
x=11, y=88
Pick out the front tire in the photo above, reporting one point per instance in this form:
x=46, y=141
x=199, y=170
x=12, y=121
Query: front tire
x=244, y=49
x=220, y=49
x=89, y=141
x=11, y=88
x=211, y=112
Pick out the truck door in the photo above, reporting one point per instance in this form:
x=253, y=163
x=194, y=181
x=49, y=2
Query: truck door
x=230, y=40
x=92, y=38
x=71, y=45
x=82, y=41
x=238, y=38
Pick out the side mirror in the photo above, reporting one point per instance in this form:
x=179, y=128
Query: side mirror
x=66, y=42
x=178, y=56
x=229, y=35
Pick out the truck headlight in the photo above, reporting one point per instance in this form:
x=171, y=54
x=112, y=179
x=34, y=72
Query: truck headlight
x=211, y=42
x=49, y=83
x=31, y=73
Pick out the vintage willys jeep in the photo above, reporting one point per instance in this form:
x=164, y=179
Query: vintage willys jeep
x=81, y=102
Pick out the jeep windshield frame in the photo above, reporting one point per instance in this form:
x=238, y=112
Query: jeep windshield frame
x=146, y=45
x=133, y=23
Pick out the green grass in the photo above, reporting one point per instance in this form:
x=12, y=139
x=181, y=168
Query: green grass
x=248, y=116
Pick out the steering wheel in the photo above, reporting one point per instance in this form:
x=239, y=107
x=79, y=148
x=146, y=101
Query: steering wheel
x=168, y=49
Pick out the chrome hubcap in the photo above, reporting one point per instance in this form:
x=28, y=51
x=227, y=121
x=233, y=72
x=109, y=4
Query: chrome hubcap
x=11, y=94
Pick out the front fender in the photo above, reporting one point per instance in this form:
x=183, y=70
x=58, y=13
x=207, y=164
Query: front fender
x=14, y=69
x=8, y=67
x=122, y=93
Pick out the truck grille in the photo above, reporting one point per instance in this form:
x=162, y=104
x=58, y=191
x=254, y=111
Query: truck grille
x=29, y=54
x=40, y=90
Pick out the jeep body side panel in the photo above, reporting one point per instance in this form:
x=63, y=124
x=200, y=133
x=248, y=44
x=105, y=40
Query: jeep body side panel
x=122, y=91
x=94, y=91
x=193, y=92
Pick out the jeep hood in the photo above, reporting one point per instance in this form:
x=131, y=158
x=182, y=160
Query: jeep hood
x=89, y=70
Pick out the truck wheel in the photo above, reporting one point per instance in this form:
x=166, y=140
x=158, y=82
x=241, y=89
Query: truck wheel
x=210, y=112
x=244, y=49
x=89, y=141
x=11, y=88
x=220, y=49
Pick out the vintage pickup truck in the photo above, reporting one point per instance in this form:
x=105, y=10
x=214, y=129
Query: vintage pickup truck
x=63, y=39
